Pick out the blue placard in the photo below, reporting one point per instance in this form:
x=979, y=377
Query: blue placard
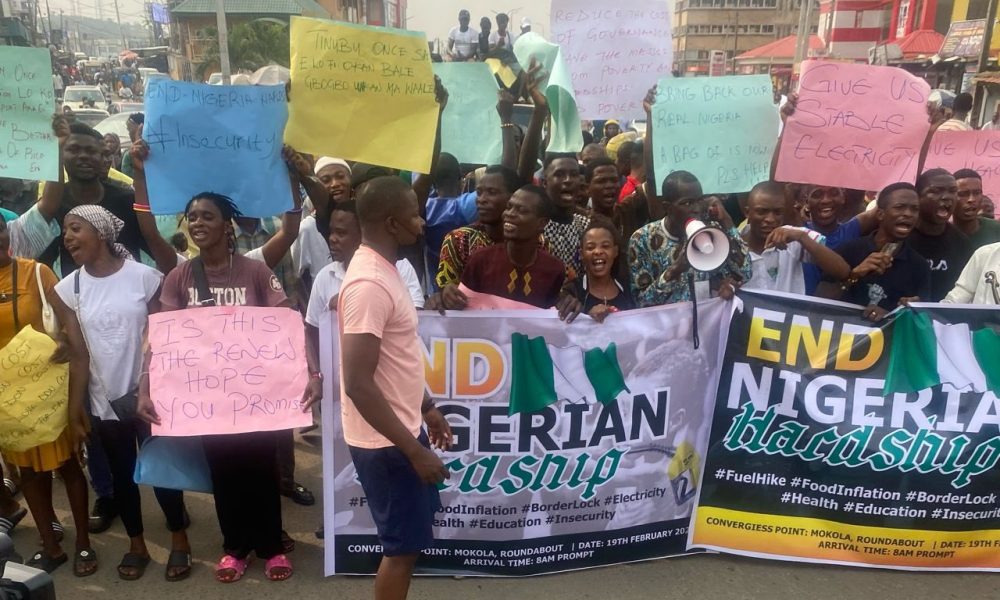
x=213, y=138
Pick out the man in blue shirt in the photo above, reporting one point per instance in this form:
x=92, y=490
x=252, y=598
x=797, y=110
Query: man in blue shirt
x=447, y=209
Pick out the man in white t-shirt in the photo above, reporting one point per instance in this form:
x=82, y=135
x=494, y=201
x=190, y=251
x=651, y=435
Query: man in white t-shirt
x=777, y=252
x=462, y=40
x=345, y=238
x=502, y=38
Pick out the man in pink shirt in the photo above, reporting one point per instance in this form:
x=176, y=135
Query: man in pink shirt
x=383, y=385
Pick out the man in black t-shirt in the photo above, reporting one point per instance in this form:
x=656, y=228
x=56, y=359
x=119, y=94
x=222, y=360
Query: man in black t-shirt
x=886, y=271
x=945, y=247
x=82, y=157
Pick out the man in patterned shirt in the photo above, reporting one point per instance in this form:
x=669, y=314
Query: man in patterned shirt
x=658, y=265
x=564, y=231
x=493, y=192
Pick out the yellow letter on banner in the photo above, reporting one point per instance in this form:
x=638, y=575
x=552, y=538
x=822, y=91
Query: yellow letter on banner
x=362, y=93
x=34, y=392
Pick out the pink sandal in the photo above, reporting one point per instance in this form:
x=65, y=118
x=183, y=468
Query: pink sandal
x=278, y=568
x=231, y=569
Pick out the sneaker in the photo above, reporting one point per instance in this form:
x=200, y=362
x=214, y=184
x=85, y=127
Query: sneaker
x=103, y=515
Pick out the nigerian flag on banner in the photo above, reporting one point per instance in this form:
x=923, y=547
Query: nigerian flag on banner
x=926, y=353
x=543, y=374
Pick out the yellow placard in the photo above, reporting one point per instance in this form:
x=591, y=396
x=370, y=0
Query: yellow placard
x=507, y=75
x=362, y=93
x=34, y=392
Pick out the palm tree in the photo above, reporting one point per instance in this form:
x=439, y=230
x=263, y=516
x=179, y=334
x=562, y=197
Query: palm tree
x=251, y=46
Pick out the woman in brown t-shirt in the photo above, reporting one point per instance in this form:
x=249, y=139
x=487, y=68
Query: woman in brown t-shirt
x=243, y=466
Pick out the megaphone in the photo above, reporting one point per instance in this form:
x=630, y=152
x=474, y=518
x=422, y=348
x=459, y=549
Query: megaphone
x=707, y=246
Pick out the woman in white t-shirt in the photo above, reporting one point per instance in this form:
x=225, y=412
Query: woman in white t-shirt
x=112, y=297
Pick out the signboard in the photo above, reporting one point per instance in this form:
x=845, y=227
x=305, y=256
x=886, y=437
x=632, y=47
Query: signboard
x=227, y=369
x=615, y=52
x=964, y=39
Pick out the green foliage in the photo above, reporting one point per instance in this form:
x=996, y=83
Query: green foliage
x=251, y=46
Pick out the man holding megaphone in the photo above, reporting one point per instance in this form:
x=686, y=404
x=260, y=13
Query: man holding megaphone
x=693, y=252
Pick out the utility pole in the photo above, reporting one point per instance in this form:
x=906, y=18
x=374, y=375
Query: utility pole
x=804, y=33
x=984, y=59
x=220, y=25
x=120, y=30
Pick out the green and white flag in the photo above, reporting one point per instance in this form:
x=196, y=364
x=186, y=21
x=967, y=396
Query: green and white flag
x=926, y=353
x=542, y=374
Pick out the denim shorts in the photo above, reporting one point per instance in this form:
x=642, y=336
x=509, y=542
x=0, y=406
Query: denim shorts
x=402, y=505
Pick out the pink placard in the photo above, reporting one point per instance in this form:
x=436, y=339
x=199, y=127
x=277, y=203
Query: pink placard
x=855, y=126
x=976, y=150
x=231, y=369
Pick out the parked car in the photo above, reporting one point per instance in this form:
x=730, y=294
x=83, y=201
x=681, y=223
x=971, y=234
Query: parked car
x=88, y=116
x=125, y=107
x=215, y=79
x=79, y=97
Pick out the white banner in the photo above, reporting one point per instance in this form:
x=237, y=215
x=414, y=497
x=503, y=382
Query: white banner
x=575, y=445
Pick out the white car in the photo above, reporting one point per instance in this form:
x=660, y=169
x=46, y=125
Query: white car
x=80, y=97
x=117, y=124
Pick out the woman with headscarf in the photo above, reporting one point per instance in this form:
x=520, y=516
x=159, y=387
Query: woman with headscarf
x=243, y=466
x=112, y=296
x=25, y=287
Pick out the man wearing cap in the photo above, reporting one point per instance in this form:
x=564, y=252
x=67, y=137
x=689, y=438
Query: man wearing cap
x=525, y=25
x=332, y=184
x=611, y=129
x=462, y=40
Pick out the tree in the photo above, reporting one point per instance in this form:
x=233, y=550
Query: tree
x=251, y=46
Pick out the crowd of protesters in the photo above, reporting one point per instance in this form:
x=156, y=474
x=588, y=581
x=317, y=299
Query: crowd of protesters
x=588, y=233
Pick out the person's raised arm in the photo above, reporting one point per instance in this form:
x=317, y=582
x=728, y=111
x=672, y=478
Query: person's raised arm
x=360, y=354
x=422, y=185
x=936, y=118
x=162, y=252
x=505, y=107
x=281, y=242
x=533, y=137
x=651, y=191
x=48, y=204
x=786, y=111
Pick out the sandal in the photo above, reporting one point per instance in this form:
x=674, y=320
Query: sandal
x=11, y=487
x=45, y=562
x=180, y=562
x=7, y=524
x=136, y=562
x=85, y=562
x=278, y=568
x=231, y=569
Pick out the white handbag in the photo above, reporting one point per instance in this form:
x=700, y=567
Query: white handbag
x=49, y=320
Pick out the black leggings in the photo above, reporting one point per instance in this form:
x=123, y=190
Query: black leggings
x=244, y=470
x=121, y=440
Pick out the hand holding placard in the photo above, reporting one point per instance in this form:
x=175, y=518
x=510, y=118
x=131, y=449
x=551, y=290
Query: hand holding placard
x=227, y=370
x=721, y=129
x=859, y=126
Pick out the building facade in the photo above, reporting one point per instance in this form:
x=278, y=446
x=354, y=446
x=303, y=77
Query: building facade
x=730, y=26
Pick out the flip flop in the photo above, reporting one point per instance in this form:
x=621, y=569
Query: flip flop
x=278, y=568
x=46, y=563
x=58, y=531
x=178, y=559
x=231, y=569
x=85, y=562
x=7, y=524
x=300, y=495
x=11, y=487
x=134, y=561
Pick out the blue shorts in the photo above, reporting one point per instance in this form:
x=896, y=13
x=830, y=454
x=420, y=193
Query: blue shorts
x=402, y=505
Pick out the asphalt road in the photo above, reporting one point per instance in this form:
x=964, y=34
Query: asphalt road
x=714, y=577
